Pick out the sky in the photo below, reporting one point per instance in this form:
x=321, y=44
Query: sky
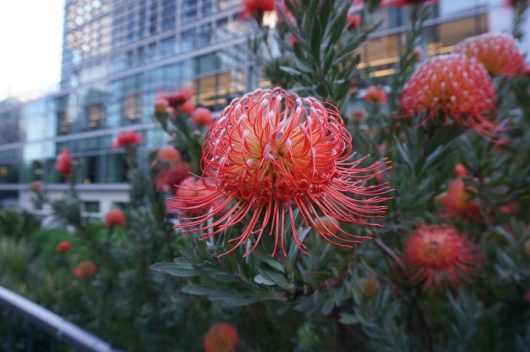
x=30, y=45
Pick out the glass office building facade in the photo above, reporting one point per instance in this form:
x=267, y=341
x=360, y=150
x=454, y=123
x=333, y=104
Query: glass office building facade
x=118, y=54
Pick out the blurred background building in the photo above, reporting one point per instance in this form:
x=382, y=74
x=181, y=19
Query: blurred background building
x=118, y=54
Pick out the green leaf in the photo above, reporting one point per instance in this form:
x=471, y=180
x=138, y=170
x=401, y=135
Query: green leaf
x=259, y=279
x=316, y=39
x=180, y=268
x=290, y=70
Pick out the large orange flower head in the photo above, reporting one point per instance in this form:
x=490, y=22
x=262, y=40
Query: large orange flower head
x=272, y=152
x=498, y=52
x=438, y=256
x=221, y=337
x=455, y=87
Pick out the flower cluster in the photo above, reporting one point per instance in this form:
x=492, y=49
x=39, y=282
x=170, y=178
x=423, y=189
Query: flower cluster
x=270, y=153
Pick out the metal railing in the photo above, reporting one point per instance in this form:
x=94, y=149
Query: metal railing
x=58, y=329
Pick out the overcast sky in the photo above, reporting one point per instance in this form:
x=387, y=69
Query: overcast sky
x=30, y=45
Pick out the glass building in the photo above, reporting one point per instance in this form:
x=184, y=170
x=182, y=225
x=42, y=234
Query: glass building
x=118, y=54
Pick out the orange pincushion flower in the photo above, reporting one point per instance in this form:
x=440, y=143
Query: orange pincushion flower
x=168, y=154
x=455, y=86
x=127, y=139
x=85, y=269
x=251, y=7
x=438, y=256
x=457, y=200
x=375, y=95
x=63, y=164
x=115, y=217
x=272, y=152
x=63, y=246
x=168, y=179
x=498, y=52
x=221, y=337
x=201, y=117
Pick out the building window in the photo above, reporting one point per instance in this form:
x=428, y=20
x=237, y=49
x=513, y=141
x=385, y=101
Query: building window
x=91, y=207
x=132, y=107
x=63, y=122
x=96, y=115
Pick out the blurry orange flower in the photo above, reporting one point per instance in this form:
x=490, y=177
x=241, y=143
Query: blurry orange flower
x=375, y=95
x=354, y=20
x=498, y=52
x=252, y=7
x=115, y=217
x=168, y=154
x=63, y=164
x=460, y=170
x=188, y=107
x=35, y=186
x=221, y=337
x=438, y=256
x=161, y=106
x=457, y=200
x=85, y=269
x=178, y=98
x=455, y=86
x=127, y=139
x=201, y=117
x=359, y=115
x=168, y=179
x=192, y=188
x=63, y=246
x=369, y=286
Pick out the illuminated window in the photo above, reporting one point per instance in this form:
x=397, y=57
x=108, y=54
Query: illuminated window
x=132, y=107
x=96, y=115
x=63, y=122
